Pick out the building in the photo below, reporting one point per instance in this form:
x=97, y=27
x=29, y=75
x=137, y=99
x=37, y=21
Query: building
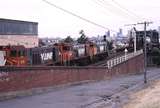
x=108, y=34
x=48, y=41
x=120, y=33
x=152, y=38
x=15, y=32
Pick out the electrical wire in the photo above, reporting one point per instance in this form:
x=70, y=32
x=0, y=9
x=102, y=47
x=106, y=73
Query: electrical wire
x=75, y=15
x=127, y=10
x=110, y=8
x=117, y=10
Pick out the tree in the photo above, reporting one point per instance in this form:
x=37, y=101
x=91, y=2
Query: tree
x=68, y=39
x=82, y=39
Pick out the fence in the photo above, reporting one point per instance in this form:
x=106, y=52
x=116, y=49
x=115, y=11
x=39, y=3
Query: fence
x=118, y=60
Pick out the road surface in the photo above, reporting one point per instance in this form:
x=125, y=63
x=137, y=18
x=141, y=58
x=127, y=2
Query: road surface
x=79, y=96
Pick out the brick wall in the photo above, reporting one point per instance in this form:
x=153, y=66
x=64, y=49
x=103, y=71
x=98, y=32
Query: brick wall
x=27, y=41
x=25, y=78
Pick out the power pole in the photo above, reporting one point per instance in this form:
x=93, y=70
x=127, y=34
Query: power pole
x=145, y=23
x=145, y=53
x=145, y=49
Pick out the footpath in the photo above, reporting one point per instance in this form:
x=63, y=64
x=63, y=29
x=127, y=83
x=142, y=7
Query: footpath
x=146, y=98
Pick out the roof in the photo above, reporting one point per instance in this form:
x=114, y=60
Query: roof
x=17, y=27
x=20, y=21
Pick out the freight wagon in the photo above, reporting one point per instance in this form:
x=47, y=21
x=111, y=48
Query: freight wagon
x=42, y=55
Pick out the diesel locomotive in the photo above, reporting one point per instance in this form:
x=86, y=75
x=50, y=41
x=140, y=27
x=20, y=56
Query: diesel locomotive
x=58, y=54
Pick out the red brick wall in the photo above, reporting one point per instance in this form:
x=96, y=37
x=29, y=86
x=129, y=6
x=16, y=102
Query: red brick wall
x=24, y=78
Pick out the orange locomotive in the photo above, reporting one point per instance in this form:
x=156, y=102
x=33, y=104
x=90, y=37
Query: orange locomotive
x=91, y=49
x=66, y=53
x=14, y=55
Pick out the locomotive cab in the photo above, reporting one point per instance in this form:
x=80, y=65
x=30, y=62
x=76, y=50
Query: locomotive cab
x=101, y=47
x=14, y=55
x=65, y=52
x=91, y=49
x=79, y=50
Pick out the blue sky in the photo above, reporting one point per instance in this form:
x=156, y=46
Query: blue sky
x=55, y=23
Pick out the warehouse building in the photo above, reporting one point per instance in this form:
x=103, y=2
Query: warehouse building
x=15, y=32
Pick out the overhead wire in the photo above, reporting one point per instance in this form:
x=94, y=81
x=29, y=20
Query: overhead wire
x=108, y=7
x=116, y=10
x=127, y=10
x=76, y=15
x=96, y=6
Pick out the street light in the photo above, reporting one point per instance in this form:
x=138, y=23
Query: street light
x=148, y=39
x=125, y=53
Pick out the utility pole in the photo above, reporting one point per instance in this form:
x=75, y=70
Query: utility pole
x=145, y=53
x=145, y=23
x=145, y=49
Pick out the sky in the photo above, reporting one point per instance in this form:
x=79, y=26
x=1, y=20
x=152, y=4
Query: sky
x=112, y=14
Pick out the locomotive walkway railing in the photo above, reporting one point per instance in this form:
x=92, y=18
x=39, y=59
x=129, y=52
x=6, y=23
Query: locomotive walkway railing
x=115, y=61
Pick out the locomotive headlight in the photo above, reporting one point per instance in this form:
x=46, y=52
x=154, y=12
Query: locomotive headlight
x=70, y=54
x=148, y=39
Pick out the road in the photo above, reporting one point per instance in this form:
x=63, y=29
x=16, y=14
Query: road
x=79, y=96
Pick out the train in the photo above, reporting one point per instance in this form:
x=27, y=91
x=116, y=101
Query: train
x=58, y=54
x=66, y=54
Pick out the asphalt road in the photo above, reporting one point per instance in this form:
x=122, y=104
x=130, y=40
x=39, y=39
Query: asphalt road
x=79, y=96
